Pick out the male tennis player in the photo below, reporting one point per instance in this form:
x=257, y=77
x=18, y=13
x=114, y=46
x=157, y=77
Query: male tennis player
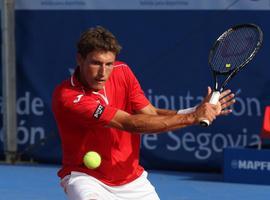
x=102, y=108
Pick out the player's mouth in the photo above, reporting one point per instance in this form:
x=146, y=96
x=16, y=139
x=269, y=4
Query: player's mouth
x=100, y=80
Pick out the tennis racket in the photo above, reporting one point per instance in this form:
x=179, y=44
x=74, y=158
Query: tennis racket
x=231, y=52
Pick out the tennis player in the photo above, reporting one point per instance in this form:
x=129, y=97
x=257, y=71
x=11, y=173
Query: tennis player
x=102, y=108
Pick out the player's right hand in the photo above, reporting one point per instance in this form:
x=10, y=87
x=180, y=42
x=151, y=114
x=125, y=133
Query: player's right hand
x=207, y=111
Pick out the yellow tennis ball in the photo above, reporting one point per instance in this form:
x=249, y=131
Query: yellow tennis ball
x=92, y=160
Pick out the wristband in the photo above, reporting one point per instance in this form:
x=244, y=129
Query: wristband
x=187, y=110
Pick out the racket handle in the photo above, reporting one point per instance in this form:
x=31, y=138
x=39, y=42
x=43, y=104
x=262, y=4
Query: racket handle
x=213, y=100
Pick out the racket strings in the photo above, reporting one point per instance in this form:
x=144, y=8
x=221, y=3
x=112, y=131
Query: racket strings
x=233, y=49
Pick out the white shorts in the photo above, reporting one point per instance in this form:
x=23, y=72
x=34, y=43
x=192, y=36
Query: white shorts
x=80, y=186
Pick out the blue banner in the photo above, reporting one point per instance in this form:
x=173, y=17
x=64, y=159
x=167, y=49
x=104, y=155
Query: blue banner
x=168, y=51
x=242, y=165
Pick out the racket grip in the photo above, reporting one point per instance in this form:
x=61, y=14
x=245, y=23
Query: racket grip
x=205, y=123
x=213, y=100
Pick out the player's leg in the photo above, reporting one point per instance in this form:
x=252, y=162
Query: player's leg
x=139, y=189
x=80, y=186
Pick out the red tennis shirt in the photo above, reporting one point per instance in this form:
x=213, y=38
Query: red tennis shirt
x=82, y=116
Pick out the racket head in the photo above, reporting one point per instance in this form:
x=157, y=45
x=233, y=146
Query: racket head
x=235, y=48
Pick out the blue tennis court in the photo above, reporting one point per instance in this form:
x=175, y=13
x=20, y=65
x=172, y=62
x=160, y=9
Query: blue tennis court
x=39, y=182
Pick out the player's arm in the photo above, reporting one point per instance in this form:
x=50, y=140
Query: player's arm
x=226, y=100
x=153, y=123
x=152, y=110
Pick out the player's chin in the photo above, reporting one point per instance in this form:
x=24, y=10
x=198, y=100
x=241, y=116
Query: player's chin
x=98, y=86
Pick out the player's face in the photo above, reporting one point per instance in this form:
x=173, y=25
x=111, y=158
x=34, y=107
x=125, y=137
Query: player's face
x=96, y=68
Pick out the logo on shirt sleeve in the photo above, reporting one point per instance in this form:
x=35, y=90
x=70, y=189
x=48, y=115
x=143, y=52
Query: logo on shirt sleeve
x=99, y=111
x=78, y=98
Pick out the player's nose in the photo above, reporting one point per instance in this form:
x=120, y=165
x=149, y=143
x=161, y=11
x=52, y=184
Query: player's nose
x=102, y=70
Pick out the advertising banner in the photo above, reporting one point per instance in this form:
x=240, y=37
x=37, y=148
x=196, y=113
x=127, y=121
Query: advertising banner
x=243, y=165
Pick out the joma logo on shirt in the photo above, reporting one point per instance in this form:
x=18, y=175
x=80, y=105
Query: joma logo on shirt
x=98, y=111
x=78, y=98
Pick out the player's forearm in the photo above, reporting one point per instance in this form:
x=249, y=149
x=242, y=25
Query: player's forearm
x=153, y=123
x=173, y=112
x=165, y=112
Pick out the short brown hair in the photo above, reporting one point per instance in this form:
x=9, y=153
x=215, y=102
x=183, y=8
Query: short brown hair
x=97, y=39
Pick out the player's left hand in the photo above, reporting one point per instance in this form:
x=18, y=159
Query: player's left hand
x=226, y=99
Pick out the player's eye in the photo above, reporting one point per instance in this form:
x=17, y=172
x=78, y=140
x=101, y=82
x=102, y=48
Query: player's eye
x=109, y=65
x=95, y=64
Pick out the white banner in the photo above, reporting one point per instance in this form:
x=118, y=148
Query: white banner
x=143, y=4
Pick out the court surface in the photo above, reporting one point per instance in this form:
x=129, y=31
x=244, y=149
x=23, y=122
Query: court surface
x=39, y=182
